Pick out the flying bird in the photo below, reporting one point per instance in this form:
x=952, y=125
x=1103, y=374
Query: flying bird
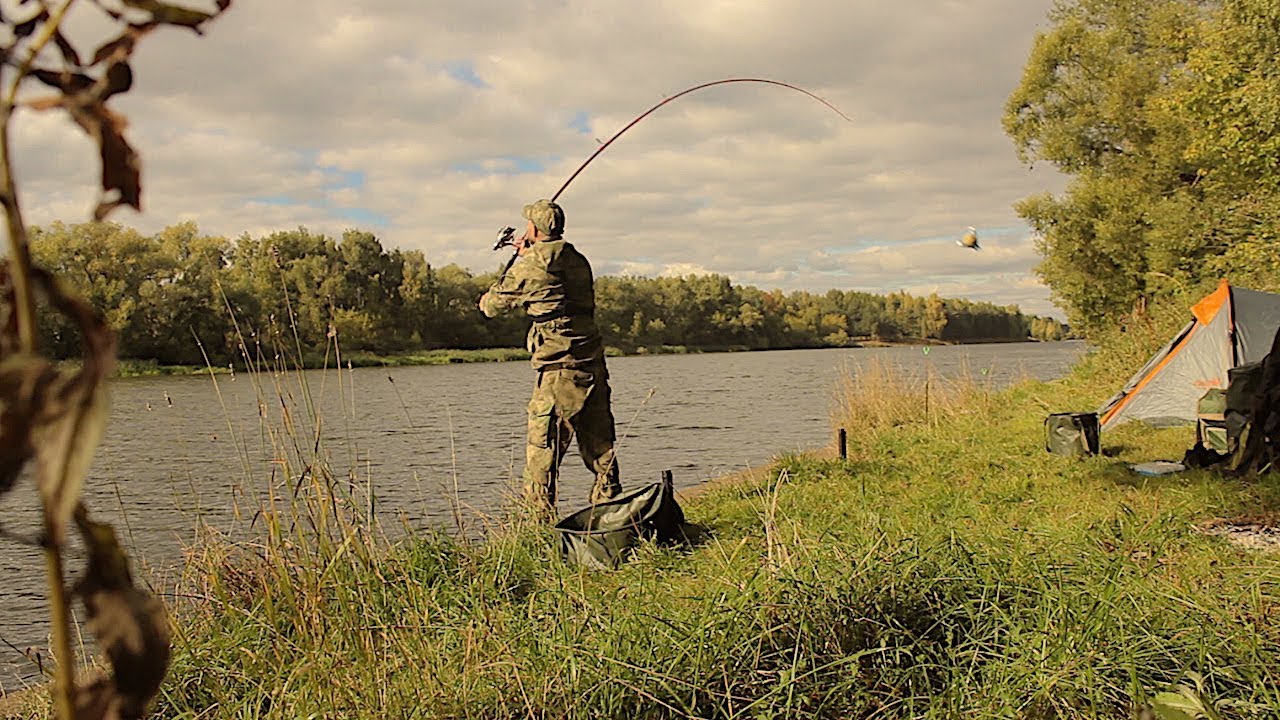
x=970, y=240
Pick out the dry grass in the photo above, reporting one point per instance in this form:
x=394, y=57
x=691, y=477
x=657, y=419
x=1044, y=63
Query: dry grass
x=874, y=396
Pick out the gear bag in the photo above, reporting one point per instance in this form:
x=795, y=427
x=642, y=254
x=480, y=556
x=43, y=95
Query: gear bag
x=601, y=536
x=1071, y=433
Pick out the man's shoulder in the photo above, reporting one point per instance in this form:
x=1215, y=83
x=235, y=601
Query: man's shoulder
x=557, y=252
x=563, y=249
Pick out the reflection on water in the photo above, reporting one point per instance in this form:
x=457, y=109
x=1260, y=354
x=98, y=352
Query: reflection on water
x=182, y=451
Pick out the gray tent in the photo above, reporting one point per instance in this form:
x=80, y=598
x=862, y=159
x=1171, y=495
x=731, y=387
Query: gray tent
x=1230, y=327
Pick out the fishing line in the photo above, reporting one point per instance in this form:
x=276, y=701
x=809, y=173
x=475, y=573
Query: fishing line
x=682, y=93
x=506, y=237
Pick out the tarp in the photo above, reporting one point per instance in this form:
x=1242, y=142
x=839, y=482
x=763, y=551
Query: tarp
x=1230, y=327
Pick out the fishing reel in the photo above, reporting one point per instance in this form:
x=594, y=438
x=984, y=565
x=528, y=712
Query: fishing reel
x=506, y=238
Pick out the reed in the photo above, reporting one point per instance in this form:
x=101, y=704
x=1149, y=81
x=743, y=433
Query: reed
x=875, y=396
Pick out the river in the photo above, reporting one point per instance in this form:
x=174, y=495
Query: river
x=180, y=451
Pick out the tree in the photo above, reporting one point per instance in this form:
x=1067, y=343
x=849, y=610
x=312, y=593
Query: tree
x=1088, y=103
x=935, y=317
x=1226, y=102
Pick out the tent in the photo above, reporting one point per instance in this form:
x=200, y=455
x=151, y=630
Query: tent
x=1231, y=326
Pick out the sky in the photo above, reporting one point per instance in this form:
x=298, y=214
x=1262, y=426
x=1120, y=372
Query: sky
x=431, y=122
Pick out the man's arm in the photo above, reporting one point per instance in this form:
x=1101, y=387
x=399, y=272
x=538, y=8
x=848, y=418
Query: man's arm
x=508, y=292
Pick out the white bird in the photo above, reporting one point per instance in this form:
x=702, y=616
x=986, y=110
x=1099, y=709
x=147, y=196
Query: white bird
x=970, y=240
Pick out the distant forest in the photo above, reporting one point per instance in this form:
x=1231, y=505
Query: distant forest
x=162, y=292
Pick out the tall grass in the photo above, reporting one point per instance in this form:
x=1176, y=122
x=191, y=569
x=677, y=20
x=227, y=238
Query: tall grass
x=876, y=396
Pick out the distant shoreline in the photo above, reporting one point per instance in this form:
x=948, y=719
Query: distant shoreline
x=130, y=368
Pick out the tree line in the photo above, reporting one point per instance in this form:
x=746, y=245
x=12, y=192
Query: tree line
x=178, y=296
x=1164, y=114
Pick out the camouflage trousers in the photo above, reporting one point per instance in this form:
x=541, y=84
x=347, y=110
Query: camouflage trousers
x=568, y=402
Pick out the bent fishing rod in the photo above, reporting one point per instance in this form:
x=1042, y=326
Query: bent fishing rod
x=506, y=236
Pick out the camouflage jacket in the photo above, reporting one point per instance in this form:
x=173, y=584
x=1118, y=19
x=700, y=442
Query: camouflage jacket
x=552, y=281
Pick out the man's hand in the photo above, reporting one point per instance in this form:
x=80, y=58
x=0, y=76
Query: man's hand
x=527, y=240
x=480, y=302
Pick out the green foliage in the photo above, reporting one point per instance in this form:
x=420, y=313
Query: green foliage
x=165, y=292
x=1087, y=104
x=1164, y=115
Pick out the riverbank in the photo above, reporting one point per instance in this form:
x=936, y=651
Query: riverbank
x=949, y=568
x=150, y=368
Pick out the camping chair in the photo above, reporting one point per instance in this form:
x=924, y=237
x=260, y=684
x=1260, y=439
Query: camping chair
x=1211, y=420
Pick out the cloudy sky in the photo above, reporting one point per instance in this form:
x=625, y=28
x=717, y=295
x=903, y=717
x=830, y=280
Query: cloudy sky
x=430, y=122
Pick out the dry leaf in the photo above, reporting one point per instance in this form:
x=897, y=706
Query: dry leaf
x=174, y=15
x=84, y=97
x=22, y=381
x=130, y=625
x=120, y=48
x=57, y=417
x=118, y=78
x=68, y=82
x=68, y=50
x=71, y=416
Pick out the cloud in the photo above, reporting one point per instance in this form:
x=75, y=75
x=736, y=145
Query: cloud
x=432, y=123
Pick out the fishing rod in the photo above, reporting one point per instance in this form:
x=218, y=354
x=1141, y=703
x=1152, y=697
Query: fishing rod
x=506, y=236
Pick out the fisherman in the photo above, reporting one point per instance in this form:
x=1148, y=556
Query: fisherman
x=552, y=281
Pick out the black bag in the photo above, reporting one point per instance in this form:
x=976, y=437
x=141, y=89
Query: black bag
x=1243, y=382
x=601, y=536
x=1071, y=434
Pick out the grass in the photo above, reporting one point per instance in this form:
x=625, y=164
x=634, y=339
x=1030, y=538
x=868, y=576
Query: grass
x=950, y=568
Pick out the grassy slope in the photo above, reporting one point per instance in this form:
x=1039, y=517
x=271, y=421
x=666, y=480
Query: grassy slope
x=951, y=568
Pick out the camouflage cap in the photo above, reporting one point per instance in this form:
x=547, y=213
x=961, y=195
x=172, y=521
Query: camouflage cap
x=546, y=216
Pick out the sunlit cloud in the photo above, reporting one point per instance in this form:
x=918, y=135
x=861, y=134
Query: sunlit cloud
x=432, y=123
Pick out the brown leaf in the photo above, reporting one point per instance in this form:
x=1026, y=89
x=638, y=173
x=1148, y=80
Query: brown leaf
x=120, y=163
x=23, y=379
x=120, y=167
x=130, y=625
x=118, y=79
x=67, y=82
x=124, y=44
x=122, y=47
x=65, y=436
x=69, y=413
x=68, y=50
x=167, y=14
